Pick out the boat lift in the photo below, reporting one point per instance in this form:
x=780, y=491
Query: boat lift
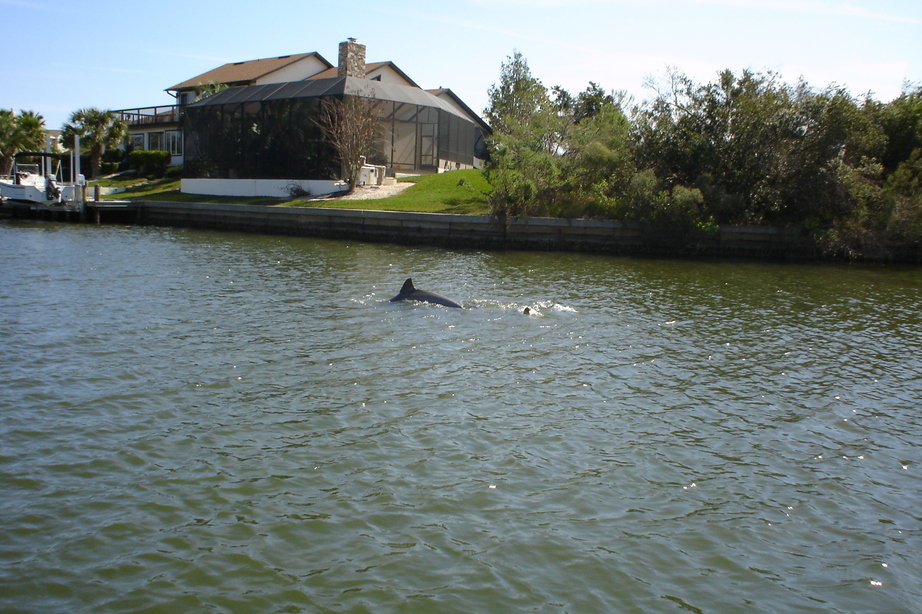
x=42, y=183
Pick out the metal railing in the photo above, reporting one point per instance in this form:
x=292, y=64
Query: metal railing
x=149, y=116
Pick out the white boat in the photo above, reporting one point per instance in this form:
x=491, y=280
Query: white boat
x=39, y=181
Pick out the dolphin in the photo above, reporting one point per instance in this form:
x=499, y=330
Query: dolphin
x=410, y=293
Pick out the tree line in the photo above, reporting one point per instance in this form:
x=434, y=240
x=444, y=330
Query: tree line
x=743, y=149
x=99, y=131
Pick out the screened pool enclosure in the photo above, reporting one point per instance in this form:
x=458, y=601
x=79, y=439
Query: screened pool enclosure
x=271, y=131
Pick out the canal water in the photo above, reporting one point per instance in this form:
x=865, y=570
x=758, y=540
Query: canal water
x=207, y=422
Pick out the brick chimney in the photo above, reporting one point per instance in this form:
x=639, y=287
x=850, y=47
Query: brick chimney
x=351, y=59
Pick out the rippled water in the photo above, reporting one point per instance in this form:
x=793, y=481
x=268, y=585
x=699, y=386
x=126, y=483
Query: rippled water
x=196, y=421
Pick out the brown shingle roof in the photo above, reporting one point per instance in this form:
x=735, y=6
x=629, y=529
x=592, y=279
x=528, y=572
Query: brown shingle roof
x=244, y=73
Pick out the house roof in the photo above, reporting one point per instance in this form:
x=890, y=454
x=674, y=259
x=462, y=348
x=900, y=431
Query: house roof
x=312, y=88
x=242, y=73
x=369, y=68
x=444, y=90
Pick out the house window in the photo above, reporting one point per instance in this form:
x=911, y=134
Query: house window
x=174, y=142
x=137, y=141
x=156, y=141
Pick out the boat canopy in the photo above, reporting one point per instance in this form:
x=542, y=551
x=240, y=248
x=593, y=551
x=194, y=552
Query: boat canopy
x=42, y=154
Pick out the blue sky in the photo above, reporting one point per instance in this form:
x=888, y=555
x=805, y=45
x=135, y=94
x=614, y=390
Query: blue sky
x=62, y=55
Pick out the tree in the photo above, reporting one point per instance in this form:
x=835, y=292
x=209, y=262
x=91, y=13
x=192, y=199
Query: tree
x=836, y=149
x=722, y=137
x=743, y=149
x=904, y=192
x=528, y=134
x=207, y=90
x=593, y=100
x=518, y=100
x=352, y=125
x=98, y=130
x=553, y=153
x=22, y=132
x=761, y=151
x=901, y=121
x=597, y=162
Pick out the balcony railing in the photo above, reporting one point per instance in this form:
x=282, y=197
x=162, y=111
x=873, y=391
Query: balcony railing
x=149, y=116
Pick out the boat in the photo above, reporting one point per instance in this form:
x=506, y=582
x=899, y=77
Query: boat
x=36, y=177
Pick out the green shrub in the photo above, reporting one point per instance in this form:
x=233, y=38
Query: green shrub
x=149, y=163
x=113, y=155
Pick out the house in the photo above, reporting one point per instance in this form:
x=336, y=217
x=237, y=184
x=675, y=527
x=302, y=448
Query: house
x=254, y=72
x=159, y=128
x=155, y=128
x=263, y=127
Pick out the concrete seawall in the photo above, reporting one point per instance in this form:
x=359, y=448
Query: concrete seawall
x=479, y=231
x=473, y=231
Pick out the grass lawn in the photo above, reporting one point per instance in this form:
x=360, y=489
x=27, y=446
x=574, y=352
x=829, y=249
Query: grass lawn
x=452, y=192
x=123, y=180
x=168, y=190
x=139, y=188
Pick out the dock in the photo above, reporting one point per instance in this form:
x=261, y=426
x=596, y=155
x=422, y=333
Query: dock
x=110, y=211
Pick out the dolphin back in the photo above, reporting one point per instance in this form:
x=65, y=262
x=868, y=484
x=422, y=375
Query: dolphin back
x=407, y=288
x=405, y=291
x=409, y=293
x=432, y=297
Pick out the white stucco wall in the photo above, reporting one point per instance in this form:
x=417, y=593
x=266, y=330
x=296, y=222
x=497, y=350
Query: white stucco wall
x=388, y=75
x=276, y=188
x=297, y=71
x=451, y=101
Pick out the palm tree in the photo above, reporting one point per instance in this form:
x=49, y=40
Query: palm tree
x=99, y=130
x=19, y=133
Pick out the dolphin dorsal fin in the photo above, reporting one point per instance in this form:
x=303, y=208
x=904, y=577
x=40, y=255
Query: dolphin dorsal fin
x=407, y=287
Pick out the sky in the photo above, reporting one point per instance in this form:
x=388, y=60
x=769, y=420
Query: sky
x=61, y=55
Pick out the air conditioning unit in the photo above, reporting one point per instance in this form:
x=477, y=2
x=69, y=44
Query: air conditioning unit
x=368, y=175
